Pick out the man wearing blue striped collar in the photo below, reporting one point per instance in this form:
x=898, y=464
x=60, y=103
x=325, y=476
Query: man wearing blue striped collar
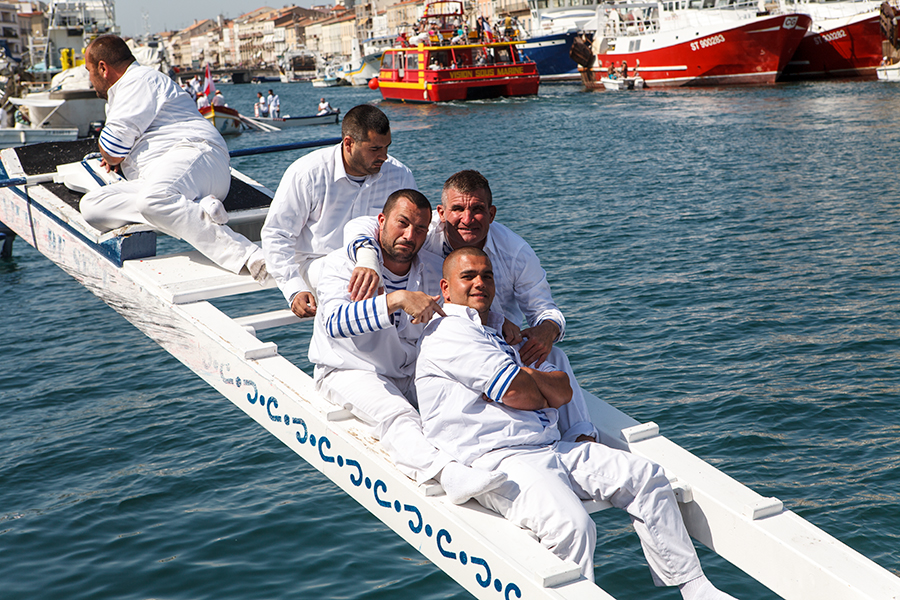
x=481, y=405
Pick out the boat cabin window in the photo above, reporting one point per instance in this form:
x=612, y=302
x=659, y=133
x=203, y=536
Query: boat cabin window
x=463, y=57
x=388, y=61
x=439, y=59
x=501, y=55
x=412, y=61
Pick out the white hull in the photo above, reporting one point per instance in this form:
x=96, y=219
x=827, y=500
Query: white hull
x=889, y=72
x=167, y=298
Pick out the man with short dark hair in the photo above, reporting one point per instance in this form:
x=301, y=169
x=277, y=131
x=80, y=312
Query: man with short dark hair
x=175, y=163
x=480, y=404
x=365, y=352
x=320, y=193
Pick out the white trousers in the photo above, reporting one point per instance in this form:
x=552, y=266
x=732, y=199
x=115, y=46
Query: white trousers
x=381, y=402
x=165, y=196
x=546, y=485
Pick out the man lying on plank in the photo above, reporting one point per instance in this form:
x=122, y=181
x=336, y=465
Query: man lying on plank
x=365, y=351
x=175, y=162
x=480, y=405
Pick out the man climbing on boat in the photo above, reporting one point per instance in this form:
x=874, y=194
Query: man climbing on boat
x=175, y=163
x=320, y=193
x=364, y=352
x=465, y=217
x=483, y=406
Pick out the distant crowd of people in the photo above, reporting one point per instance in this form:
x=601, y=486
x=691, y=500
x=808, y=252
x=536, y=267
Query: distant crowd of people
x=430, y=33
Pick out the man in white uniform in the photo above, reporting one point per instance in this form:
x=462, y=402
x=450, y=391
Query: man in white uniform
x=364, y=352
x=480, y=404
x=175, y=163
x=274, y=105
x=465, y=217
x=320, y=193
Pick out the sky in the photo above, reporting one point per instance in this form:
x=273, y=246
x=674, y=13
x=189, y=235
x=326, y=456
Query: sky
x=163, y=15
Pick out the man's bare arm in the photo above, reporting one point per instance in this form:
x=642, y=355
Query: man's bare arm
x=554, y=385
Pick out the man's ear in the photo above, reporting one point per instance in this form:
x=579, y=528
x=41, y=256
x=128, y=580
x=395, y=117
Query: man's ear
x=445, y=290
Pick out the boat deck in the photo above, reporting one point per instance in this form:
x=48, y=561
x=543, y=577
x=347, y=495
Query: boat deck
x=168, y=298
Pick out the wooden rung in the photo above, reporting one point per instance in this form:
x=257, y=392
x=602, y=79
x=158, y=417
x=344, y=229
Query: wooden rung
x=191, y=277
x=275, y=318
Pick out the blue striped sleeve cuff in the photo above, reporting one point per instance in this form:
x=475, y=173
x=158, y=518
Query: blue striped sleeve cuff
x=113, y=145
x=357, y=318
x=501, y=381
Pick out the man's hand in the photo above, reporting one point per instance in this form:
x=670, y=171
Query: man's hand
x=585, y=438
x=540, y=342
x=363, y=284
x=418, y=305
x=511, y=333
x=304, y=305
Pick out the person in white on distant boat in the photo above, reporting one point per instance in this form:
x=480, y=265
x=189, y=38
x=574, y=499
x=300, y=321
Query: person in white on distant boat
x=483, y=406
x=320, y=193
x=218, y=99
x=175, y=163
x=365, y=352
x=202, y=101
x=465, y=217
x=261, y=108
x=274, y=104
x=324, y=107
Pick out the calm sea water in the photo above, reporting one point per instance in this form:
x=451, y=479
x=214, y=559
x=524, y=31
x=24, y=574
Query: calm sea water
x=727, y=260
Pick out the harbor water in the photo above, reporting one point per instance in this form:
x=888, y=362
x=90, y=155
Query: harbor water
x=728, y=263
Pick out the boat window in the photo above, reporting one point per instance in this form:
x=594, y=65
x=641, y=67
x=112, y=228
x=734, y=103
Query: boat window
x=440, y=59
x=501, y=55
x=388, y=61
x=463, y=57
x=412, y=62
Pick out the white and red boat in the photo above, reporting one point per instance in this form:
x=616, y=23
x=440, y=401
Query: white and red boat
x=844, y=40
x=677, y=43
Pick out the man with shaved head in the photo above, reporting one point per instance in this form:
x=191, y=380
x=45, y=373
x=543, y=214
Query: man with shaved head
x=480, y=404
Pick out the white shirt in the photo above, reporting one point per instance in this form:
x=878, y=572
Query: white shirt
x=146, y=114
x=362, y=335
x=523, y=294
x=273, y=101
x=202, y=101
x=218, y=100
x=459, y=360
x=313, y=202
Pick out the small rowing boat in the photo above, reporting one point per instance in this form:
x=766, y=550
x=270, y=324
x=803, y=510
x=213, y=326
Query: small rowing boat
x=329, y=118
x=168, y=297
x=226, y=120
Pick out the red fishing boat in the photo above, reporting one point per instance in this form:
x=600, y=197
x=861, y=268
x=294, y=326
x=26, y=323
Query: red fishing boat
x=677, y=43
x=844, y=40
x=439, y=63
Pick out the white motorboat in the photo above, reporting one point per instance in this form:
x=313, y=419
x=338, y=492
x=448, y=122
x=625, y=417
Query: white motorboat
x=888, y=72
x=622, y=83
x=168, y=298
